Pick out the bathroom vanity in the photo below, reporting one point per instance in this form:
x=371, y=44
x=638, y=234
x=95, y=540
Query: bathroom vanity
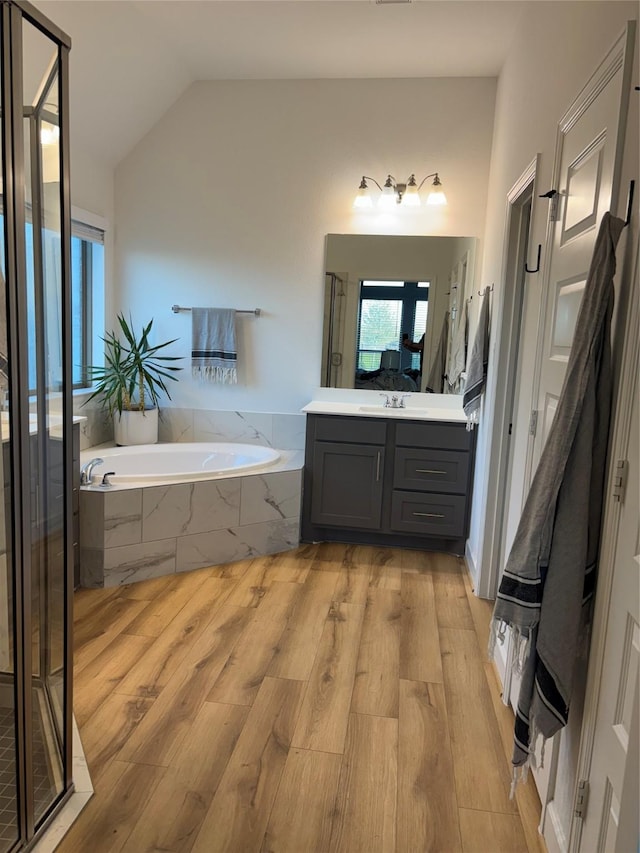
x=387, y=476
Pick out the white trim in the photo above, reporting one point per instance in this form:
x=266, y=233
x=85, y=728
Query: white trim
x=471, y=564
x=89, y=218
x=505, y=322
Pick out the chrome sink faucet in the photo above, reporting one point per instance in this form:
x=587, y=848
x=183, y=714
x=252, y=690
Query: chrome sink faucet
x=87, y=470
x=395, y=402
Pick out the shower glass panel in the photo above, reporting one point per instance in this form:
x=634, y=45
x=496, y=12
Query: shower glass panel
x=43, y=264
x=9, y=832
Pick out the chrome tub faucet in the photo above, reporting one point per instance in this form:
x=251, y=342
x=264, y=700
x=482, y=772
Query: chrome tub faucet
x=87, y=471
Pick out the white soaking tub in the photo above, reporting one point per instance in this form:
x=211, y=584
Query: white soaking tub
x=182, y=462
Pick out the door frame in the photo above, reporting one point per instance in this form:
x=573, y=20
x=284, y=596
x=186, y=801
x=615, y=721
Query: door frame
x=508, y=325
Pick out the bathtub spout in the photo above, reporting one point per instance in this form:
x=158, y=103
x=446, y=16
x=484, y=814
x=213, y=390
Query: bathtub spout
x=87, y=470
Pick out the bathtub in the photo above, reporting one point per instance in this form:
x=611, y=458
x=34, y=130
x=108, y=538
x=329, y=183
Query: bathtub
x=183, y=462
x=179, y=507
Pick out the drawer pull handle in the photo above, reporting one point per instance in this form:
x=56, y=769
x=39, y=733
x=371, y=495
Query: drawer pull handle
x=429, y=471
x=378, y=468
x=430, y=514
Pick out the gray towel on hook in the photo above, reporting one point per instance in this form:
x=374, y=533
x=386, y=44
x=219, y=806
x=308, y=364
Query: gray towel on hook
x=477, y=369
x=214, y=353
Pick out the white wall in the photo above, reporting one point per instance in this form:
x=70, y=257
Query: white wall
x=556, y=50
x=227, y=201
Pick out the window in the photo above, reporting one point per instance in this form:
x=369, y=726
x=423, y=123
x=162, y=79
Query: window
x=87, y=297
x=385, y=315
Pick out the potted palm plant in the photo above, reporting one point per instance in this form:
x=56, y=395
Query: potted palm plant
x=131, y=382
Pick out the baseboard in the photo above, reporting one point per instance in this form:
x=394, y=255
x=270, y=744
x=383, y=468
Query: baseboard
x=471, y=565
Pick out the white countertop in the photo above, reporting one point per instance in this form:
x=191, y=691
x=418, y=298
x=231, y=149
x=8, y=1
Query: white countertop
x=368, y=404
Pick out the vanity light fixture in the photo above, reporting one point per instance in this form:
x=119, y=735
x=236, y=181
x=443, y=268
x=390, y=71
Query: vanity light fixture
x=393, y=192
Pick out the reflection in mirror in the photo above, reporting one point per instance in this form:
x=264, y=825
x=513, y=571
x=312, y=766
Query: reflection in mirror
x=395, y=312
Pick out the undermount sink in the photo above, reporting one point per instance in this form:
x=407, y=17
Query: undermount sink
x=390, y=410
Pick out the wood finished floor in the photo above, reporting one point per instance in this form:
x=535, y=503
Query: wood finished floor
x=334, y=698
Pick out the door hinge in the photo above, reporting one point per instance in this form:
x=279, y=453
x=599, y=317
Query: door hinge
x=533, y=423
x=582, y=795
x=553, y=208
x=620, y=479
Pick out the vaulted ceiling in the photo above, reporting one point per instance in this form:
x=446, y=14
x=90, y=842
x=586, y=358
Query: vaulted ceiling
x=131, y=59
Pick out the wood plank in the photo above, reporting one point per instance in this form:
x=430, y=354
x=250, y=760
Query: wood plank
x=302, y=814
x=159, y=738
x=110, y=816
x=415, y=562
x=289, y=566
x=427, y=807
x=376, y=684
x=246, y=666
x=483, y=831
x=101, y=677
x=482, y=773
x=252, y=586
x=353, y=584
x=452, y=605
x=330, y=554
x=419, y=641
x=87, y=600
x=386, y=568
x=234, y=570
x=145, y=590
x=325, y=711
x=166, y=605
x=365, y=811
x=178, y=806
x=108, y=730
x=299, y=643
x=93, y=635
x=481, y=612
x=279, y=602
x=238, y=816
x=527, y=798
x=150, y=675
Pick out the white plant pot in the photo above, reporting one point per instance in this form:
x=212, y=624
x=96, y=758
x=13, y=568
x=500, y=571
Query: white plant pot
x=136, y=427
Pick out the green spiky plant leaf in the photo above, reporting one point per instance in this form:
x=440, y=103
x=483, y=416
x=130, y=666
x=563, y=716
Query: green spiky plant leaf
x=134, y=376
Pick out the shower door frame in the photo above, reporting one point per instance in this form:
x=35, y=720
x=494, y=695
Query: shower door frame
x=19, y=535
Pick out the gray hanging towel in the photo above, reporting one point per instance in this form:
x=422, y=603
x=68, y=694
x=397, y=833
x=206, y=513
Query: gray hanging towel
x=477, y=369
x=214, y=354
x=435, y=381
x=549, y=578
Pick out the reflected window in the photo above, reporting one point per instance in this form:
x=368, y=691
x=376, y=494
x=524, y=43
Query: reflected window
x=388, y=312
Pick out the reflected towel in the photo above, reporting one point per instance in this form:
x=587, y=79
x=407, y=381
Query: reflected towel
x=477, y=369
x=214, y=354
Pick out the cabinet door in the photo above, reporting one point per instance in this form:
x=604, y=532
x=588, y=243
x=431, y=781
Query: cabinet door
x=347, y=485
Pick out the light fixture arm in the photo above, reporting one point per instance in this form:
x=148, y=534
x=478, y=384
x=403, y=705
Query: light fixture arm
x=363, y=186
x=436, y=183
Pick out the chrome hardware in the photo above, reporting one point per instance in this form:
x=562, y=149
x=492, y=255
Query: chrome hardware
x=429, y=471
x=430, y=514
x=105, y=480
x=87, y=471
x=378, y=468
x=395, y=402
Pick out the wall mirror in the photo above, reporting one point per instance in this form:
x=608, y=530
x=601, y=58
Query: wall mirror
x=395, y=311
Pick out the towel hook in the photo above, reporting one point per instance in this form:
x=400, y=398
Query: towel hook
x=487, y=289
x=537, y=269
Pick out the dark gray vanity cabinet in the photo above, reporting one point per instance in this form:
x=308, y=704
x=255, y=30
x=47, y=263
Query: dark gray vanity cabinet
x=387, y=481
x=348, y=465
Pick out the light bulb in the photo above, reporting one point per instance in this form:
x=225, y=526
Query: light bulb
x=411, y=197
x=363, y=197
x=49, y=133
x=436, y=196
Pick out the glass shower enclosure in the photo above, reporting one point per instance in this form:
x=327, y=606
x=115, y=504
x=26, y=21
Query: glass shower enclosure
x=36, y=541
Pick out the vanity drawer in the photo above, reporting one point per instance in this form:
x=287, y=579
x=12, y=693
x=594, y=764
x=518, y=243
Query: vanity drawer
x=445, y=435
x=432, y=514
x=431, y=470
x=356, y=430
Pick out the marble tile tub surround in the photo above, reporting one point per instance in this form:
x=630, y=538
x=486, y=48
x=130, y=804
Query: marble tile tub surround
x=282, y=431
x=127, y=535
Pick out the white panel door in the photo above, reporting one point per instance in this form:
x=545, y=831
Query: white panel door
x=611, y=818
x=588, y=159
